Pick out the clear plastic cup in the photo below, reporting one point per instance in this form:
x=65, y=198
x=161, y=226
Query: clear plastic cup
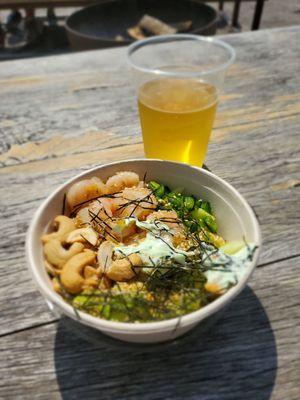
x=178, y=80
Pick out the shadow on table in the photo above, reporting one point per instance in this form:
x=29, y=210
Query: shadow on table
x=236, y=359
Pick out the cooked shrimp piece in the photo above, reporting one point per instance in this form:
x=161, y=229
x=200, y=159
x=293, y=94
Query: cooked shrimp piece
x=170, y=218
x=85, y=190
x=82, y=218
x=91, y=214
x=123, y=269
x=137, y=202
x=122, y=180
x=103, y=207
x=104, y=256
x=108, y=205
x=100, y=217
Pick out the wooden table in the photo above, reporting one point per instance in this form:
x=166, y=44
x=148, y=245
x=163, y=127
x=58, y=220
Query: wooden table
x=63, y=114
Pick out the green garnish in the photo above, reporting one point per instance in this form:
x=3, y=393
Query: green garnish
x=201, y=216
x=206, y=207
x=189, y=202
x=158, y=189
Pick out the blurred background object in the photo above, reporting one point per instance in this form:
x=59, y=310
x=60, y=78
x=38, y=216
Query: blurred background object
x=38, y=27
x=120, y=22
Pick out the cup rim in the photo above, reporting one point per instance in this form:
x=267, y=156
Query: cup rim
x=177, y=37
x=131, y=327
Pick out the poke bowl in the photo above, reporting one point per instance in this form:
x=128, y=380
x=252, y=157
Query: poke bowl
x=187, y=224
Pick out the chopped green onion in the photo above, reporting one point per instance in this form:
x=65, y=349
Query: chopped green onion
x=159, y=190
x=206, y=206
x=192, y=225
x=176, y=202
x=201, y=215
x=198, y=203
x=189, y=202
x=154, y=185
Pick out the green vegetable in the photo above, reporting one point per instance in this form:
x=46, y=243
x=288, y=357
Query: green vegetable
x=189, y=202
x=176, y=201
x=212, y=238
x=198, y=203
x=187, y=207
x=154, y=185
x=206, y=206
x=158, y=189
x=201, y=215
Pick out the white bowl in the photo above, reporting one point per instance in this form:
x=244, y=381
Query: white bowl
x=235, y=220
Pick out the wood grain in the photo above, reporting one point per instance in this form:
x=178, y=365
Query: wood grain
x=36, y=167
x=252, y=352
x=64, y=114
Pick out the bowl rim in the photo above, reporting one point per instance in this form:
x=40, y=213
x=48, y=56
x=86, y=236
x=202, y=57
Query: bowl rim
x=136, y=327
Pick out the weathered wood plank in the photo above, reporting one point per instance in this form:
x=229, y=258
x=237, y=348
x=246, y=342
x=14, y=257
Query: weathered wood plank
x=253, y=352
x=64, y=114
x=248, y=147
x=70, y=95
x=277, y=208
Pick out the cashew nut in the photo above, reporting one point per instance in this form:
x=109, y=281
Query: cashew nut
x=57, y=255
x=89, y=272
x=56, y=285
x=123, y=269
x=50, y=269
x=90, y=277
x=83, y=235
x=71, y=275
x=64, y=224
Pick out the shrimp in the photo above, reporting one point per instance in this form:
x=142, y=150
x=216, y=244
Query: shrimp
x=85, y=190
x=170, y=218
x=122, y=180
x=100, y=214
x=121, y=269
x=136, y=202
x=101, y=218
x=104, y=256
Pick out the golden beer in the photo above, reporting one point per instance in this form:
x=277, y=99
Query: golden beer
x=177, y=117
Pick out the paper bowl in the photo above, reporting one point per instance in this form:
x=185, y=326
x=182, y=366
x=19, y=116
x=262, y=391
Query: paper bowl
x=235, y=218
